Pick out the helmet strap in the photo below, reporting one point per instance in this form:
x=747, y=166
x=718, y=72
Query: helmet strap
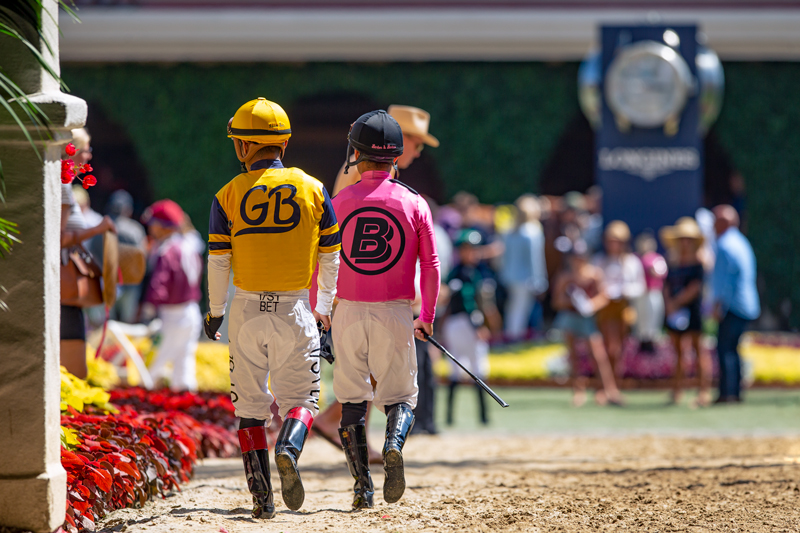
x=350, y=153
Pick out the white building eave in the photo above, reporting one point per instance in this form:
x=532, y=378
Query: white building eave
x=114, y=34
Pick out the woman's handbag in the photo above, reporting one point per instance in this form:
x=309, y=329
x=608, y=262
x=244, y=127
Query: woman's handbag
x=80, y=279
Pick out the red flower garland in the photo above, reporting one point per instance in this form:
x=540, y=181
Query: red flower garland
x=69, y=171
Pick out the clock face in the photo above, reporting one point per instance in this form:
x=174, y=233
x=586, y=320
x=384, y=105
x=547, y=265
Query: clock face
x=647, y=83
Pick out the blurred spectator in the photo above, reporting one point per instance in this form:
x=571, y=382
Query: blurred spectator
x=683, y=293
x=120, y=209
x=650, y=306
x=174, y=290
x=92, y=217
x=426, y=380
x=578, y=294
x=573, y=217
x=524, y=271
x=735, y=298
x=464, y=332
x=75, y=231
x=593, y=227
x=444, y=245
x=624, y=283
x=95, y=315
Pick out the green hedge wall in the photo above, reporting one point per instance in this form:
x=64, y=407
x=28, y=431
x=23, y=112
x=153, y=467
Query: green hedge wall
x=760, y=128
x=483, y=114
x=497, y=123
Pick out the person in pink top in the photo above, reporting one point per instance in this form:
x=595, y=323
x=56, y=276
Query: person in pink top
x=386, y=227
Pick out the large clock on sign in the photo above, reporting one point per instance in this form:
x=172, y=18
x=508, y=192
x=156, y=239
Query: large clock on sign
x=647, y=86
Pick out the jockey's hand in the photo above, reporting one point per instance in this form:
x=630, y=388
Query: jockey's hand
x=211, y=324
x=419, y=327
x=325, y=319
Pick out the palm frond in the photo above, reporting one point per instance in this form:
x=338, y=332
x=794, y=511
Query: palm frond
x=8, y=236
x=17, y=18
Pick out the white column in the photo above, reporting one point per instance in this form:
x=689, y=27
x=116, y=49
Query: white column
x=32, y=481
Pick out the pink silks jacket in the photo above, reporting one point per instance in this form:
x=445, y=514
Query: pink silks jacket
x=386, y=227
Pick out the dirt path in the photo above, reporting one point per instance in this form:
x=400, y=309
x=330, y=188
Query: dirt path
x=519, y=483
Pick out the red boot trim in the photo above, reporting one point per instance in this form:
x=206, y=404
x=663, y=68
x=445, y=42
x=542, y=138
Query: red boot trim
x=303, y=415
x=253, y=439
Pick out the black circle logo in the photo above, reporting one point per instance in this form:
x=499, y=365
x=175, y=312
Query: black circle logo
x=372, y=240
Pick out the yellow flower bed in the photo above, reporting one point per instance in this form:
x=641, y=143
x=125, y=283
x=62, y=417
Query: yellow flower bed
x=529, y=362
x=772, y=364
x=77, y=393
x=524, y=362
x=213, y=367
x=519, y=362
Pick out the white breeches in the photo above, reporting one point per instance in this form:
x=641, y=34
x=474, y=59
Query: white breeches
x=375, y=338
x=461, y=339
x=180, y=332
x=273, y=336
x=650, y=315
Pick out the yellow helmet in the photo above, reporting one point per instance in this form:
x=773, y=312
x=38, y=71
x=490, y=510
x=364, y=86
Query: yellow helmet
x=260, y=121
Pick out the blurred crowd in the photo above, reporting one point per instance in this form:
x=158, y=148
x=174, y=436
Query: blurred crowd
x=170, y=289
x=552, y=267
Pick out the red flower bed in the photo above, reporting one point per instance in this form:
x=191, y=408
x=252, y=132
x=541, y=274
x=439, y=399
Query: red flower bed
x=146, y=449
x=213, y=414
x=121, y=460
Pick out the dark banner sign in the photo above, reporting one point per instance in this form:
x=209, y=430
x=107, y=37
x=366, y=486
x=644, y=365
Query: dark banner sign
x=649, y=148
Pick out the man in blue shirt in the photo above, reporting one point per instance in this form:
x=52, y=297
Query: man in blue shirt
x=735, y=298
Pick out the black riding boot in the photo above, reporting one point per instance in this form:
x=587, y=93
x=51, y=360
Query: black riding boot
x=399, y=421
x=290, y=443
x=256, y=469
x=354, y=444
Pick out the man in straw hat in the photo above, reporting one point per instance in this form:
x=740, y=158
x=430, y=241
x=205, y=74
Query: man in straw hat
x=735, y=298
x=683, y=294
x=414, y=123
x=272, y=225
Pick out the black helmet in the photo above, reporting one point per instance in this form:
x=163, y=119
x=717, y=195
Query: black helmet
x=377, y=136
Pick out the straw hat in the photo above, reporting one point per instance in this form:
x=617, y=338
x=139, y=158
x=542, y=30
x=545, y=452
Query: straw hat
x=414, y=121
x=122, y=264
x=618, y=230
x=132, y=263
x=110, y=268
x=684, y=228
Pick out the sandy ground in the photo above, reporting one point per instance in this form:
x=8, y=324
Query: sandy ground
x=519, y=483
